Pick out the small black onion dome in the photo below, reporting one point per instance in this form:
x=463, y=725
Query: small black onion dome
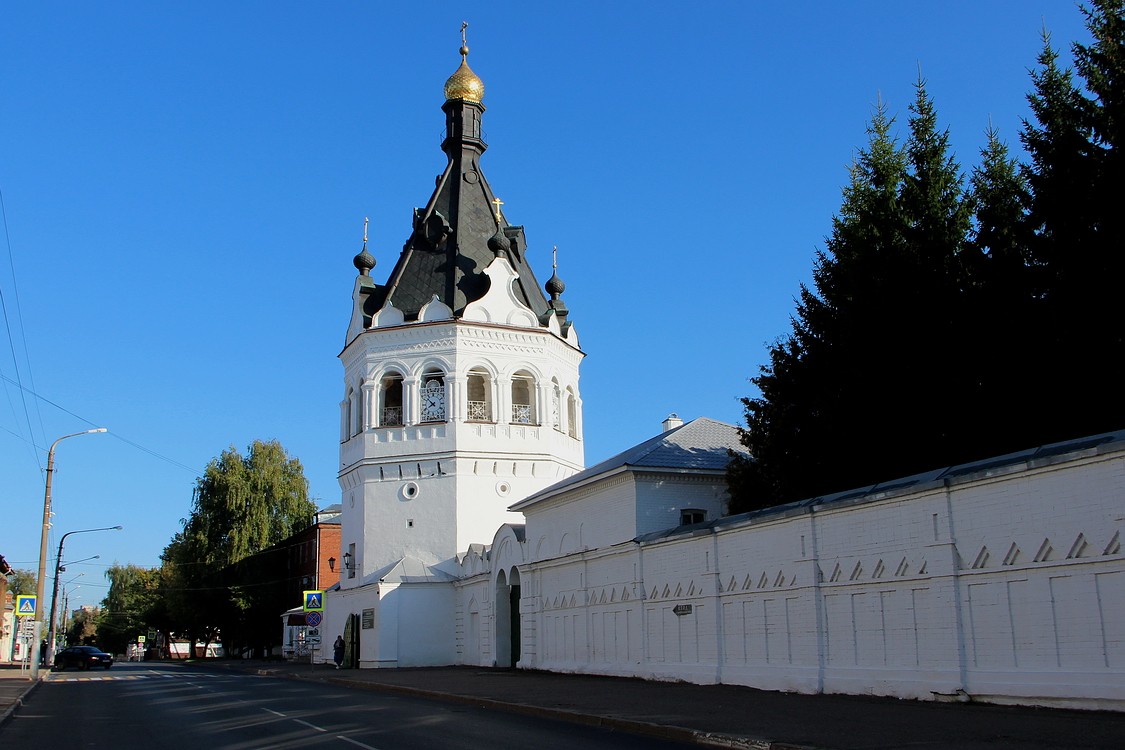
x=499, y=242
x=555, y=286
x=364, y=261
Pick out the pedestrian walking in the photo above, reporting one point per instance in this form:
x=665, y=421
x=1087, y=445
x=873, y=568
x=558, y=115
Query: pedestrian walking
x=338, y=651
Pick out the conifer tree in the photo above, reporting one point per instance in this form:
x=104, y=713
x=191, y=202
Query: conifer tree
x=1077, y=176
x=809, y=388
x=1002, y=302
x=946, y=326
x=872, y=350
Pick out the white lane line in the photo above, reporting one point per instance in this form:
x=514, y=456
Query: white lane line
x=311, y=726
x=271, y=711
x=354, y=742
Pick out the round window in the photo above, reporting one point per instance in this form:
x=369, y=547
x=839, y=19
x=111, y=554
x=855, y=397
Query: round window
x=410, y=490
x=503, y=489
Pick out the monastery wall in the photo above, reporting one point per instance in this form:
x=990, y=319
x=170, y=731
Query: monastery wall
x=1007, y=585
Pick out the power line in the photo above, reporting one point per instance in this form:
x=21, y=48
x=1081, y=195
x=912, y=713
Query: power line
x=23, y=336
x=82, y=419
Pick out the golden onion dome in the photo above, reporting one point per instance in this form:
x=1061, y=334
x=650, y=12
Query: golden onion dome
x=464, y=83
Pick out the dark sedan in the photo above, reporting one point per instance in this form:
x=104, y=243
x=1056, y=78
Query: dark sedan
x=82, y=657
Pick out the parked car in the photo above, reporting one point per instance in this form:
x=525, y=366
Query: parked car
x=82, y=657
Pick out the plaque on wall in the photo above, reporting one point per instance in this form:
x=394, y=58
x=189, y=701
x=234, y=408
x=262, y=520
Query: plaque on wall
x=368, y=619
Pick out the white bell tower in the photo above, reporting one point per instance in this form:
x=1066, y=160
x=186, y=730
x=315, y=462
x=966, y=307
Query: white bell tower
x=461, y=388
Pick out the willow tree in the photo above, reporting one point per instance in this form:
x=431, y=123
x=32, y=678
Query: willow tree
x=240, y=506
x=133, y=605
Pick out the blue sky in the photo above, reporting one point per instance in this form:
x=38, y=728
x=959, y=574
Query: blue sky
x=184, y=186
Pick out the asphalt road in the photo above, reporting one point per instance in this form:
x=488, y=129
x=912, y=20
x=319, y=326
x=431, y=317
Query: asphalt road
x=176, y=707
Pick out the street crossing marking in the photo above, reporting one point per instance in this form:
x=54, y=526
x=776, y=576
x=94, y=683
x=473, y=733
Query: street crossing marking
x=56, y=677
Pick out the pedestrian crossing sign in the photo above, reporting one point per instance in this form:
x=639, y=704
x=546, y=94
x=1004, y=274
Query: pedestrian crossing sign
x=25, y=605
x=314, y=601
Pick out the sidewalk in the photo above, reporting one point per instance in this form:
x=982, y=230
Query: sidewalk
x=716, y=715
x=15, y=686
x=727, y=715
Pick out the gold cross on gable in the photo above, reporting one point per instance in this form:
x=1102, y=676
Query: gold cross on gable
x=498, y=203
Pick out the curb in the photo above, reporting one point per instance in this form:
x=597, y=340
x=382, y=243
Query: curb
x=10, y=711
x=631, y=726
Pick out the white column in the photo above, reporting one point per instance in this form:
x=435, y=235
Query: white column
x=504, y=403
x=368, y=395
x=543, y=402
x=409, y=401
x=454, y=398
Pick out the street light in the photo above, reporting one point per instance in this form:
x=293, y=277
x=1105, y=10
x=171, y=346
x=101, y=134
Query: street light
x=75, y=562
x=65, y=607
x=39, y=584
x=50, y=660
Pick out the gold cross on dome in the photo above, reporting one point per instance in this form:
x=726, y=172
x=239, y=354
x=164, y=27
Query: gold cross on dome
x=498, y=203
x=555, y=257
x=365, y=230
x=464, y=25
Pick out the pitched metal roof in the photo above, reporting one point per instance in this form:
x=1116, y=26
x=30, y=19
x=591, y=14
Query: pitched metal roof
x=702, y=445
x=1108, y=442
x=448, y=249
x=408, y=570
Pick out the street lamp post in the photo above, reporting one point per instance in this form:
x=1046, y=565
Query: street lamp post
x=50, y=660
x=60, y=628
x=39, y=584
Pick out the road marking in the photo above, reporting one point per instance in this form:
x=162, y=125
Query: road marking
x=271, y=711
x=312, y=726
x=354, y=742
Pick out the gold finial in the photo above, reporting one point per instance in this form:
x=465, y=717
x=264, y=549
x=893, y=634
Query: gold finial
x=497, y=203
x=464, y=83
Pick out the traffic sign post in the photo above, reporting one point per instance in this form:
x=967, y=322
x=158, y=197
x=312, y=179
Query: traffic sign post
x=314, y=601
x=25, y=605
x=314, y=615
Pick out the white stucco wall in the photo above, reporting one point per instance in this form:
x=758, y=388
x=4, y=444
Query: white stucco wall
x=1006, y=586
x=429, y=489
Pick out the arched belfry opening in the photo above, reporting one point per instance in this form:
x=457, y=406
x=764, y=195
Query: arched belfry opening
x=508, y=619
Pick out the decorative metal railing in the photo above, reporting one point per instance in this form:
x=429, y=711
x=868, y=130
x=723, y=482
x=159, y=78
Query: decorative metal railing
x=391, y=416
x=521, y=414
x=479, y=412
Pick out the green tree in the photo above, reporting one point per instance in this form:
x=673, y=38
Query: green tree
x=82, y=628
x=804, y=388
x=862, y=363
x=943, y=325
x=1077, y=175
x=133, y=605
x=1004, y=303
x=241, y=505
x=21, y=581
